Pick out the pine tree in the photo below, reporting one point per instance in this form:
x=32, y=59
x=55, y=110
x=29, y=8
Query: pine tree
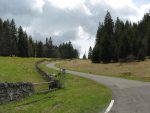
x=67, y=51
x=96, y=50
x=1, y=36
x=108, y=42
x=122, y=40
x=13, y=39
x=134, y=40
x=48, y=48
x=39, y=49
x=105, y=49
x=90, y=53
x=124, y=48
x=141, y=54
x=119, y=28
x=22, y=43
x=84, y=57
x=6, y=38
x=148, y=42
x=31, y=47
x=75, y=53
x=108, y=24
x=70, y=50
x=15, y=42
x=99, y=33
x=96, y=54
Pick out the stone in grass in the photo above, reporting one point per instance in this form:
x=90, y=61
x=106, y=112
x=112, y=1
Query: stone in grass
x=55, y=84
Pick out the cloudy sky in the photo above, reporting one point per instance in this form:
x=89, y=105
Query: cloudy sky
x=69, y=20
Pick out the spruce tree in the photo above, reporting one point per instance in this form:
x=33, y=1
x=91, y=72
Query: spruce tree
x=6, y=38
x=96, y=54
x=15, y=42
x=148, y=42
x=22, y=43
x=31, y=47
x=122, y=40
x=105, y=49
x=84, y=57
x=107, y=46
x=39, y=49
x=90, y=53
x=1, y=36
x=124, y=48
x=141, y=54
x=13, y=39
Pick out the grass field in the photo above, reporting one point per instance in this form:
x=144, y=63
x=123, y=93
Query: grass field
x=14, y=69
x=132, y=70
x=78, y=96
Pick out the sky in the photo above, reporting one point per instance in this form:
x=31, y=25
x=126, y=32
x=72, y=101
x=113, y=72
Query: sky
x=69, y=20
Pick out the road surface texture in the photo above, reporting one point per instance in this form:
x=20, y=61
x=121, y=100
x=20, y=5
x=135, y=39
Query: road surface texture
x=130, y=96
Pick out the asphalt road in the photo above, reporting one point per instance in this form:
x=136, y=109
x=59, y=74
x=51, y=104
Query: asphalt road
x=130, y=96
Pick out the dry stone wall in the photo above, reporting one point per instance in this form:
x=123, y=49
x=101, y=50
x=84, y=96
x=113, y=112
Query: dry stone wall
x=19, y=90
x=15, y=91
x=54, y=82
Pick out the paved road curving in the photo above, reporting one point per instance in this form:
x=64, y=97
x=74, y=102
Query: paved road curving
x=130, y=96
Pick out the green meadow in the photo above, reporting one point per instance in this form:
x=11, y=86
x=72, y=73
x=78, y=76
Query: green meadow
x=79, y=95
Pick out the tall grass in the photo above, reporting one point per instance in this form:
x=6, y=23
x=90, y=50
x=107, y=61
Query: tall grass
x=132, y=70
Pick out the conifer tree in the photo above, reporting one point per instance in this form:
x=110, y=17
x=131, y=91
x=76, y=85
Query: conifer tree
x=22, y=43
x=39, y=49
x=84, y=57
x=31, y=47
x=13, y=39
x=1, y=36
x=96, y=54
x=90, y=53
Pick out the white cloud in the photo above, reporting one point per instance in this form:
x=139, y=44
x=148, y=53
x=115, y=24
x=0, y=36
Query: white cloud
x=64, y=20
x=141, y=10
x=125, y=9
x=95, y=2
x=87, y=10
x=118, y=4
x=145, y=8
x=39, y=5
x=84, y=41
x=71, y=5
x=56, y=33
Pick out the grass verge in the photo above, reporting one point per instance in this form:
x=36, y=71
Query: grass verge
x=80, y=95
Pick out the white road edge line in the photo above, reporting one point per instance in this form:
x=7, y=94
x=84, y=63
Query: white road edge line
x=110, y=106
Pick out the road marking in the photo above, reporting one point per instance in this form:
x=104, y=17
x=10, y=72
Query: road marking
x=110, y=106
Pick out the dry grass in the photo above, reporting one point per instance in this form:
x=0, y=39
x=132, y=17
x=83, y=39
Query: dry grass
x=132, y=70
